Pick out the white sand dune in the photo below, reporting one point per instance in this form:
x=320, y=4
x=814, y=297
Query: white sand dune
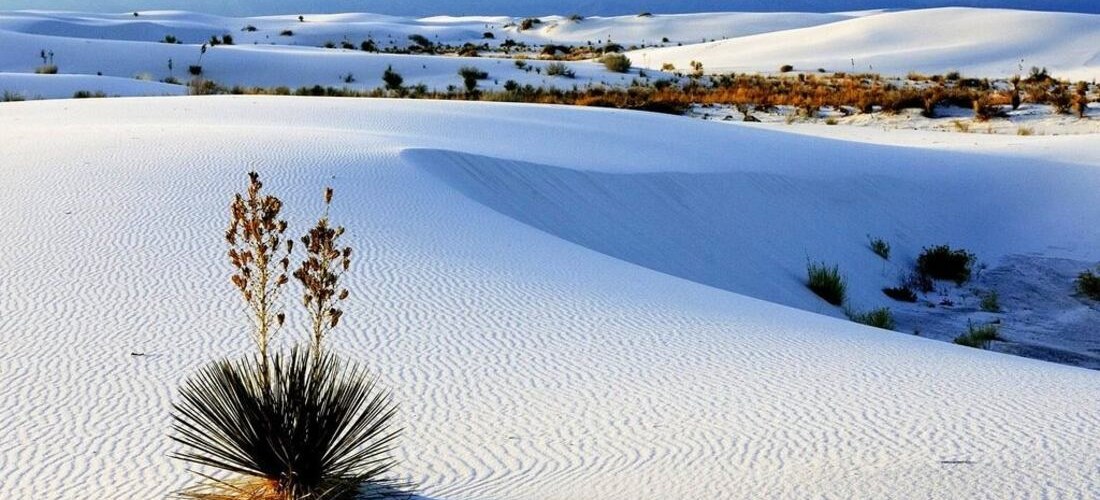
x=529, y=365
x=977, y=42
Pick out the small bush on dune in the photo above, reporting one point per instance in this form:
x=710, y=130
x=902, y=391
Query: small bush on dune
x=881, y=247
x=900, y=293
x=944, y=263
x=86, y=94
x=979, y=337
x=392, y=79
x=991, y=302
x=559, y=69
x=616, y=62
x=786, y=68
x=286, y=33
x=878, y=318
x=46, y=69
x=1088, y=284
x=826, y=282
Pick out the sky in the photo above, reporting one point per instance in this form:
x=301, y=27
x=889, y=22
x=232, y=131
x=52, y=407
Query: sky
x=525, y=7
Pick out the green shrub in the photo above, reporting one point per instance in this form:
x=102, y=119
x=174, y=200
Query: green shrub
x=286, y=33
x=878, y=318
x=1088, y=284
x=991, y=302
x=529, y=23
x=85, y=94
x=616, y=62
x=979, y=337
x=826, y=282
x=559, y=69
x=46, y=69
x=944, y=263
x=881, y=247
x=786, y=68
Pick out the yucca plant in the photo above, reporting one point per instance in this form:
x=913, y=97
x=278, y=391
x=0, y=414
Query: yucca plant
x=826, y=282
x=317, y=429
x=300, y=426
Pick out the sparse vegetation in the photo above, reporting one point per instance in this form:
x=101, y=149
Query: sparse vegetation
x=1088, y=284
x=979, y=337
x=392, y=79
x=86, y=94
x=48, y=69
x=880, y=247
x=616, y=62
x=786, y=68
x=901, y=293
x=286, y=33
x=991, y=302
x=559, y=69
x=826, y=282
x=878, y=318
x=944, y=263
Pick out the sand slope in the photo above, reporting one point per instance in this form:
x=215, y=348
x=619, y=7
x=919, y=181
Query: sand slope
x=529, y=366
x=977, y=42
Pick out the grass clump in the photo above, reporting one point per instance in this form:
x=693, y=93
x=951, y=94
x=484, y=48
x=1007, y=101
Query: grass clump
x=46, y=69
x=991, y=302
x=559, y=69
x=901, y=293
x=826, y=282
x=616, y=62
x=881, y=247
x=941, y=262
x=979, y=337
x=1088, y=284
x=878, y=318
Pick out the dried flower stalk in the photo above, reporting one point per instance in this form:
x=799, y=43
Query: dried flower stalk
x=256, y=250
x=320, y=275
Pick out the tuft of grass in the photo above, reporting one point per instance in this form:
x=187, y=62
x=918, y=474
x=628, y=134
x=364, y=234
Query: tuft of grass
x=10, y=96
x=901, y=293
x=991, y=302
x=1025, y=131
x=1088, y=284
x=979, y=337
x=880, y=246
x=942, y=262
x=86, y=94
x=878, y=318
x=46, y=69
x=826, y=282
x=961, y=126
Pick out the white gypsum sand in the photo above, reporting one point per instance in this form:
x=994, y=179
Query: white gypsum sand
x=527, y=364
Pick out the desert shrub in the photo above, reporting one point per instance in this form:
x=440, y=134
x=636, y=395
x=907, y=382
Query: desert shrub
x=313, y=427
x=472, y=73
x=488, y=35
x=194, y=69
x=985, y=109
x=668, y=67
x=786, y=68
x=421, y=43
x=286, y=33
x=392, y=79
x=881, y=247
x=46, y=69
x=616, y=62
x=346, y=45
x=878, y=318
x=368, y=46
x=10, y=96
x=826, y=282
x=944, y=263
x=1088, y=284
x=529, y=23
x=991, y=302
x=576, y=18
x=559, y=69
x=900, y=293
x=302, y=425
x=329, y=44
x=979, y=337
x=227, y=39
x=170, y=39
x=645, y=14
x=85, y=94
x=249, y=28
